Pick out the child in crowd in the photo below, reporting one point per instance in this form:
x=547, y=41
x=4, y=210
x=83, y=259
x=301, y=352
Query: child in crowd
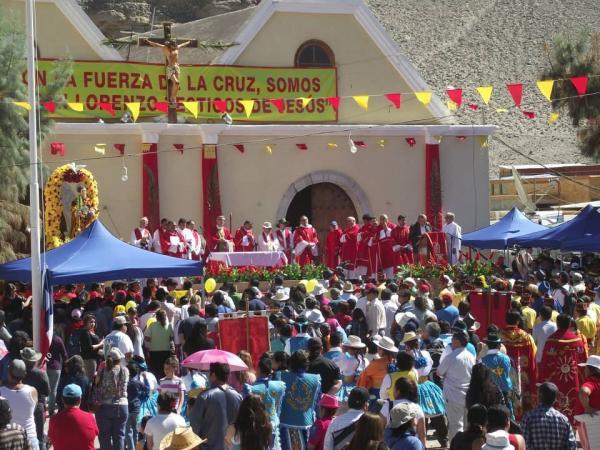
x=172, y=383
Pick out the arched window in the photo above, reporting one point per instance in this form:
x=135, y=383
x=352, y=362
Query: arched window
x=314, y=53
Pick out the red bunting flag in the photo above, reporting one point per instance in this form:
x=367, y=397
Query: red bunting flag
x=57, y=148
x=50, y=106
x=108, y=108
x=278, y=103
x=179, y=148
x=473, y=106
x=361, y=144
x=395, y=99
x=120, y=148
x=529, y=114
x=302, y=146
x=334, y=102
x=516, y=92
x=461, y=138
x=580, y=84
x=162, y=106
x=220, y=106
x=240, y=147
x=455, y=95
x=411, y=141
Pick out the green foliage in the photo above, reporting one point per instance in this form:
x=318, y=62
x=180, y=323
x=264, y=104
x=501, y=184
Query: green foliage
x=574, y=57
x=289, y=272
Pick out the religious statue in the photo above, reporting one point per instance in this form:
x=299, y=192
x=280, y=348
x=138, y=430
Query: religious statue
x=82, y=212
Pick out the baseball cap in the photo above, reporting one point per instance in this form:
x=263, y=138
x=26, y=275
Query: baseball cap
x=72, y=391
x=402, y=413
x=358, y=397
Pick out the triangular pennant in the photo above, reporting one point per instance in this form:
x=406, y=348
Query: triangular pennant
x=395, y=99
x=411, y=141
x=362, y=101
x=278, y=103
x=451, y=105
x=269, y=149
x=483, y=141
x=120, y=148
x=423, y=97
x=553, y=117
x=529, y=114
x=240, y=147
x=334, y=102
x=220, y=105
x=580, y=84
x=305, y=101
x=456, y=96
x=57, y=148
x=302, y=146
x=134, y=109
x=23, y=105
x=361, y=144
x=486, y=93
x=50, y=106
x=438, y=139
x=162, y=106
x=108, y=108
x=545, y=87
x=516, y=92
x=75, y=106
x=501, y=110
x=331, y=145
x=179, y=148
x=100, y=148
x=248, y=106
x=192, y=108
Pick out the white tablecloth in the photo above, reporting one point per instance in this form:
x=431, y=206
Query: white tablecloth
x=259, y=259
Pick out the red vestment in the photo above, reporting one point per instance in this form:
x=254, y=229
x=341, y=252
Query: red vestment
x=303, y=236
x=363, y=258
x=383, y=243
x=332, y=248
x=519, y=348
x=215, y=236
x=401, y=237
x=244, y=240
x=562, y=352
x=349, y=248
x=167, y=246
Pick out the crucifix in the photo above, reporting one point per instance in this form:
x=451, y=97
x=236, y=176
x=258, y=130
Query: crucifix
x=170, y=47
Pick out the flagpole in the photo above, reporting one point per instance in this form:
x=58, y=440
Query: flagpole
x=34, y=187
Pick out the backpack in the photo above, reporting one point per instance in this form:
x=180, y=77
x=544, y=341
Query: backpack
x=73, y=344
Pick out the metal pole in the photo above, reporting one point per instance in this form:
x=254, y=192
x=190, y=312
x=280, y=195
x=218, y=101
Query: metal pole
x=34, y=187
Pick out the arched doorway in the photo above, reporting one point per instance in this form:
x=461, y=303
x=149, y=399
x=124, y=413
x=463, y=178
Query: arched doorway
x=321, y=203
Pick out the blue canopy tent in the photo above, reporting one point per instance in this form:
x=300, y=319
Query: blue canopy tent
x=587, y=222
x=496, y=236
x=588, y=243
x=96, y=255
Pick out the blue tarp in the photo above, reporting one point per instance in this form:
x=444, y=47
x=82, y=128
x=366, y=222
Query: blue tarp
x=586, y=223
x=97, y=255
x=496, y=236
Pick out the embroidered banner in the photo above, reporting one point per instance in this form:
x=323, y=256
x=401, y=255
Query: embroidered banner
x=235, y=336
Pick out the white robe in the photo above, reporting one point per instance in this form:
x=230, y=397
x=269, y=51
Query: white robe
x=453, y=233
x=137, y=242
x=271, y=244
x=156, y=241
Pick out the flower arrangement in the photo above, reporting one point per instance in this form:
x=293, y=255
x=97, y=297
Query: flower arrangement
x=223, y=274
x=469, y=269
x=53, y=207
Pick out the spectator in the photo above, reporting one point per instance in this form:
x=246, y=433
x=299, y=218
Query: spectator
x=328, y=406
x=238, y=380
x=186, y=327
x=543, y=330
x=343, y=427
x=198, y=340
x=358, y=325
x=252, y=427
x=449, y=312
x=406, y=391
x=482, y=388
x=498, y=423
x=90, y=345
x=4, y=333
x=212, y=317
x=118, y=339
x=166, y=421
x=544, y=428
x=331, y=379
x=369, y=432
x=72, y=428
x=54, y=368
x=400, y=433
x=12, y=435
x=159, y=338
x=216, y=408
x=183, y=438
x=589, y=394
x=74, y=374
x=38, y=379
x=474, y=435
x=18, y=342
x=172, y=383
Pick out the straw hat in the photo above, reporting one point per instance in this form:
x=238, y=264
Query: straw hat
x=387, y=344
x=267, y=225
x=410, y=336
x=183, y=438
x=281, y=296
x=348, y=287
x=354, y=342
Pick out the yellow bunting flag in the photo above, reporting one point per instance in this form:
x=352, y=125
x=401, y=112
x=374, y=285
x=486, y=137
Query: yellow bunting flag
x=23, y=105
x=248, y=106
x=553, y=117
x=305, y=101
x=192, y=108
x=269, y=149
x=483, y=141
x=100, y=148
x=501, y=110
x=362, y=101
x=452, y=106
x=438, y=139
x=423, y=97
x=545, y=87
x=332, y=145
x=76, y=106
x=486, y=93
x=134, y=109
x=381, y=142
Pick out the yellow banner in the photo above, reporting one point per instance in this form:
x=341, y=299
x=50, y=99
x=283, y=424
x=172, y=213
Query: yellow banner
x=119, y=83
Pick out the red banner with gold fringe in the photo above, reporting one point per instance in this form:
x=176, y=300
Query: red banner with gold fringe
x=235, y=336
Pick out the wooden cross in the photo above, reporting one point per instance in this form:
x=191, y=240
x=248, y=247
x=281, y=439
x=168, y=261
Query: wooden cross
x=170, y=47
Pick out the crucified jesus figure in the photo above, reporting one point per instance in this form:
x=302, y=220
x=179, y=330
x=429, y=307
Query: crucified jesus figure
x=171, y=51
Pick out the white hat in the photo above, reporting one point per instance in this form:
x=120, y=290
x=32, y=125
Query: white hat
x=267, y=225
x=402, y=413
x=281, y=296
x=354, y=342
x=115, y=353
x=387, y=344
x=319, y=290
x=410, y=280
x=498, y=439
x=402, y=318
x=592, y=361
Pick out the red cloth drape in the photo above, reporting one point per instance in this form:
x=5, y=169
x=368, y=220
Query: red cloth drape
x=211, y=195
x=433, y=186
x=150, y=198
x=489, y=308
x=233, y=337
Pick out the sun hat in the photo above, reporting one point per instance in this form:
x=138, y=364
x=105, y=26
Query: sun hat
x=386, y=344
x=280, y=296
x=319, y=290
x=183, y=438
x=410, y=336
x=329, y=401
x=410, y=280
x=592, y=361
x=130, y=304
x=72, y=391
x=402, y=318
x=267, y=225
x=29, y=354
x=354, y=342
x=348, y=287
x=402, y=413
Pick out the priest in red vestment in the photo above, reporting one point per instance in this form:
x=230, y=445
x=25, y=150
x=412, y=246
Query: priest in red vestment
x=306, y=243
x=383, y=243
x=363, y=257
x=402, y=245
x=284, y=237
x=521, y=350
x=220, y=238
x=172, y=241
x=140, y=236
x=244, y=238
x=349, y=247
x=332, y=245
x=563, y=351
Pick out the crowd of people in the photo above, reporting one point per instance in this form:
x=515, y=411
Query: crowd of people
x=388, y=364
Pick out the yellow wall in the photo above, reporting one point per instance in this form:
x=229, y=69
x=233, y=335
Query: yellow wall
x=362, y=67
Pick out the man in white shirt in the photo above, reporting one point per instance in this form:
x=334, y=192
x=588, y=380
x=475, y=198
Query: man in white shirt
x=117, y=338
x=339, y=434
x=453, y=233
x=140, y=236
x=542, y=331
x=375, y=312
x=164, y=422
x=390, y=307
x=455, y=368
x=197, y=244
